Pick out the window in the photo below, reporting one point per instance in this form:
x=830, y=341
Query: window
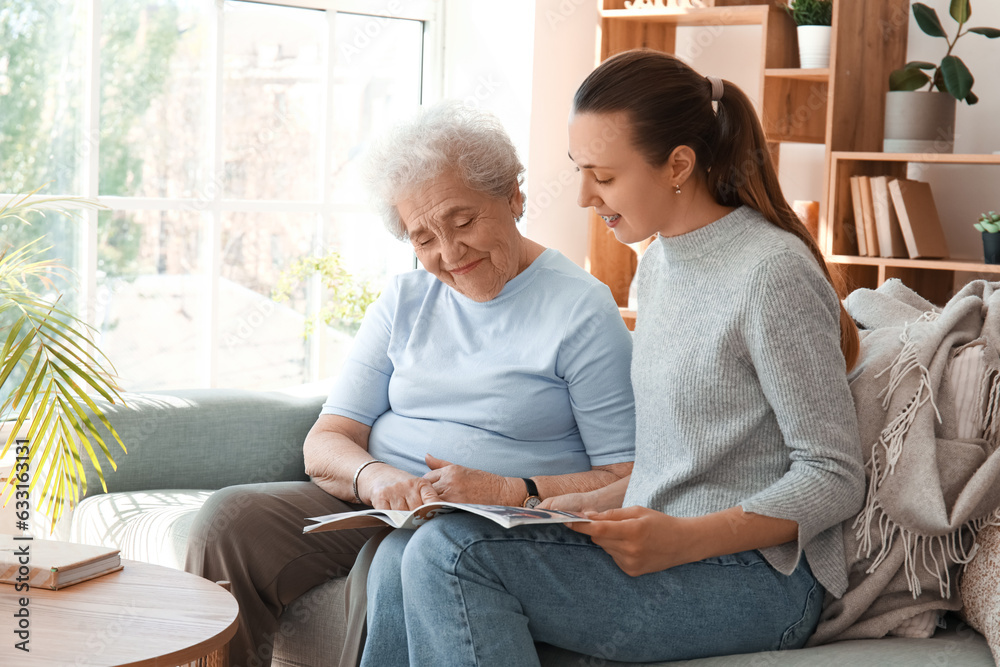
x=224, y=139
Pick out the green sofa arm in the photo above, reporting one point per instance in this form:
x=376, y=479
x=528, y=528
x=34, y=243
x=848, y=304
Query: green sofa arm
x=205, y=439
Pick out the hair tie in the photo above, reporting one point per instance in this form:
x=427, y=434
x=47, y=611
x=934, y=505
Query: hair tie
x=717, y=87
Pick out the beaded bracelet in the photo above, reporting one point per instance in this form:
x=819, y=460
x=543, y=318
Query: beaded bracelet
x=357, y=473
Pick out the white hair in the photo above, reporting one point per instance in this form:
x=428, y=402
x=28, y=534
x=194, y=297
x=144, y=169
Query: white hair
x=444, y=137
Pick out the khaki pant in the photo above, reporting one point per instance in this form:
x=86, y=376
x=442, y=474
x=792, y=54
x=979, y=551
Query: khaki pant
x=356, y=602
x=251, y=535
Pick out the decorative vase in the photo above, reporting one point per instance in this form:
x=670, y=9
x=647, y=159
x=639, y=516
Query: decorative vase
x=991, y=247
x=919, y=121
x=814, y=46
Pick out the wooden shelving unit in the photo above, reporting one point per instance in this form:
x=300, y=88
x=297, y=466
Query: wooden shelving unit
x=932, y=278
x=840, y=107
x=745, y=14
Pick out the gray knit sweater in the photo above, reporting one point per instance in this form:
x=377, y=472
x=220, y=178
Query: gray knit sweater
x=740, y=389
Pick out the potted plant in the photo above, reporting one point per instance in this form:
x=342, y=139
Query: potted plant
x=989, y=225
x=813, y=18
x=49, y=368
x=918, y=121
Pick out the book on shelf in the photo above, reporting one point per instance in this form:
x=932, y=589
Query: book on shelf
x=918, y=219
x=859, y=216
x=868, y=213
x=51, y=564
x=500, y=514
x=890, y=235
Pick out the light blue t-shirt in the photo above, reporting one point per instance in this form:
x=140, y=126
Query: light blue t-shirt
x=532, y=382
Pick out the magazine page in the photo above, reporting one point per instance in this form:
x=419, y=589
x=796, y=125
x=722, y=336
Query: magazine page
x=518, y=516
x=359, y=519
x=501, y=514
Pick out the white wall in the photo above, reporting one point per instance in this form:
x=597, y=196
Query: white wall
x=488, y=60
x=565, y=51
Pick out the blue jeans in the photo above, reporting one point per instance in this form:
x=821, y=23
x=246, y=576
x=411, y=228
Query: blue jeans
x=463, y=591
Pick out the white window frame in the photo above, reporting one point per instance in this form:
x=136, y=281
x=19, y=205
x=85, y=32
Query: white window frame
x=213, y=205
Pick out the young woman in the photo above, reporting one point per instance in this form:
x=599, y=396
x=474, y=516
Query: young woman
x=726, y=535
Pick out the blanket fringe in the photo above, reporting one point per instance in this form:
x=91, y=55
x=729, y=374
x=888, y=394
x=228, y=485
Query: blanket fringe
x=989, y=396
x=935, y=554
x=892, y=436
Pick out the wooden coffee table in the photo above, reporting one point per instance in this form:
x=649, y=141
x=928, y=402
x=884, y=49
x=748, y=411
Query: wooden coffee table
x=144, y=615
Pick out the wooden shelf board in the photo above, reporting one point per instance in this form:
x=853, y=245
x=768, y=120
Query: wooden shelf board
x=938, y=264
x=736, y=15
x=789, y=139
x=815, y=75
x=940, y=158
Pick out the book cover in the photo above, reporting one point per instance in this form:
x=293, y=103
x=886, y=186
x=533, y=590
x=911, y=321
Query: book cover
x=500, y=514
x=890, y=236
x=868, y=211
x=918, y=218
x=53, y=565
x=859, y=216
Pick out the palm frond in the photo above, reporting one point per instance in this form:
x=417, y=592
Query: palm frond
x=52, y=353
x=20, y=206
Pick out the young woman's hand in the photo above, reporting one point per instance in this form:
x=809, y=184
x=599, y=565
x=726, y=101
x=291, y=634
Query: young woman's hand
x=640, y=540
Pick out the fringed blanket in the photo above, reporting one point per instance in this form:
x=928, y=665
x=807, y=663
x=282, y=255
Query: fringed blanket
x=929, y=492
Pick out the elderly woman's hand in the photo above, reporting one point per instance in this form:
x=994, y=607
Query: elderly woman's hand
x=394, y=489
x=578, y=502
x=459, y=484
x=604, y=498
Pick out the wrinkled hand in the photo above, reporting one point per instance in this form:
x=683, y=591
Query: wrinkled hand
x=640, y=540
x=386, y=487
x=459, y=484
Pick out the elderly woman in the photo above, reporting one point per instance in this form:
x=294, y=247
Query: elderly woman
x=499, y=374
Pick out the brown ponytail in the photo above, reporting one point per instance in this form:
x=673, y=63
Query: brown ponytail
x=670, y=105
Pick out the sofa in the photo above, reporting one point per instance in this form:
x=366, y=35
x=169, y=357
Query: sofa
x=183, y=445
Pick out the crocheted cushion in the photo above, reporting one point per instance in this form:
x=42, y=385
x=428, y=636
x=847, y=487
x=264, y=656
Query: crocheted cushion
x=981, y=588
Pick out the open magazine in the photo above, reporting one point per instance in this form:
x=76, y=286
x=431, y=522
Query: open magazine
x=501, y=514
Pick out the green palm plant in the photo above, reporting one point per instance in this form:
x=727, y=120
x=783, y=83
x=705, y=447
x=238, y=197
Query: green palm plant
x=49, y=366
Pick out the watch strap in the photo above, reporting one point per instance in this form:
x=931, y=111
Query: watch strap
x=532, y=488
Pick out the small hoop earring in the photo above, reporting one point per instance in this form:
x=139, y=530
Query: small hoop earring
x=677, y=189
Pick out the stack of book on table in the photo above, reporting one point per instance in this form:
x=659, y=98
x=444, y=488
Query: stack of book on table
x=896, y=217
x=53, y=565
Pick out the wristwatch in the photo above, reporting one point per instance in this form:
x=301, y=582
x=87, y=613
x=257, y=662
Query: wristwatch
x=532, y=500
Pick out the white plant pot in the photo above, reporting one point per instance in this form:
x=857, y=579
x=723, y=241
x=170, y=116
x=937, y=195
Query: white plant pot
x=919, y=122
x=814, y=46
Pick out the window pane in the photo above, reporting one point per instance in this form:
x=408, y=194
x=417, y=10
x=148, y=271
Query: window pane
x=40, y=88
x=376, y=82
x=274, y=81
x=262, y=342
x=371, y=255
x=153, y=94
x=150, y=303
x=57, y=239
x=369, y=251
